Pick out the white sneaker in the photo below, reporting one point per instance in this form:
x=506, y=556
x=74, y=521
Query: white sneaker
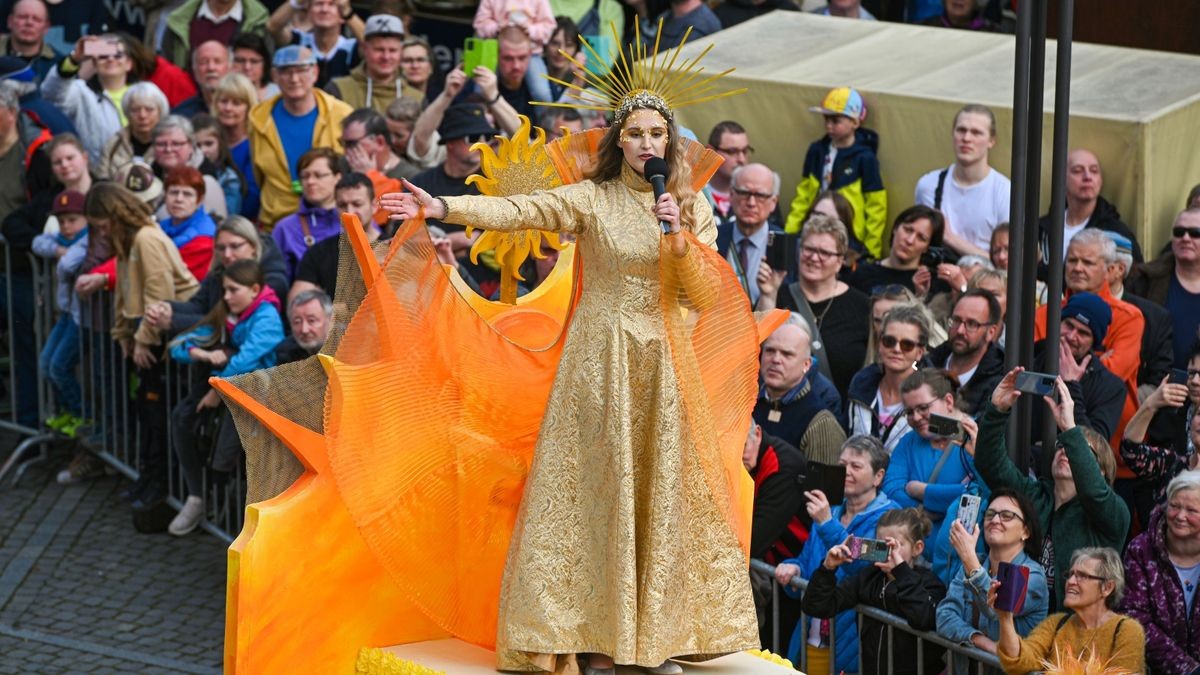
x=666, y=668
x=189, y=517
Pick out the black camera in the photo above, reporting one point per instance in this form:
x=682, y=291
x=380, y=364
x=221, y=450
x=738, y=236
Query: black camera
x=936, y=255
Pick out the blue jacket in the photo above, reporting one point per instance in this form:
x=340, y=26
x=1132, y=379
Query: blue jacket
x=966, y=599
x=914, y=459
x=822, y=538
x=946, y=563
x=255, y=336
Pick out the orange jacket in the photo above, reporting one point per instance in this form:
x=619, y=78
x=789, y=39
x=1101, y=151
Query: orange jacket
x=1123, y=344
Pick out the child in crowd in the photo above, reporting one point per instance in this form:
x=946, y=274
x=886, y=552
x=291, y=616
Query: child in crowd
x=239, y=335
x=844, y=161
x=60, y=355
x=893, y=585
x=212, y=143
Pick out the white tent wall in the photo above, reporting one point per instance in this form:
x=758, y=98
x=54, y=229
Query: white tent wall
x=1136, y=109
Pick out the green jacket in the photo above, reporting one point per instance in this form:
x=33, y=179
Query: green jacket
x=1095, y=517
x=359, y=91
x=176, y=43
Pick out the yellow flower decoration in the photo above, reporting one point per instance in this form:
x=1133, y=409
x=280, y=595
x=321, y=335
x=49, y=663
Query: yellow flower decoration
x=773, y=658
x=373, y=661
x=520, y=167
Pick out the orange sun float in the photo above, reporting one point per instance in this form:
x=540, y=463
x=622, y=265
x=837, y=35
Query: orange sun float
x=397, y=529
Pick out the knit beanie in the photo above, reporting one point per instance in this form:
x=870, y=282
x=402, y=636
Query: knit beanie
x=1092, y=311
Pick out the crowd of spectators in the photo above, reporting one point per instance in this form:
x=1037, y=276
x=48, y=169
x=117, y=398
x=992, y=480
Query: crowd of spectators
x=195, y=176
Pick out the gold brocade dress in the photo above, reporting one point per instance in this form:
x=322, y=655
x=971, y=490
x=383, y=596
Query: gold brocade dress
x=621, y=545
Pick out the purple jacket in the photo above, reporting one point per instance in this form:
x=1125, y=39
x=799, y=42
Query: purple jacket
x=1154, y=596
x=289, y=232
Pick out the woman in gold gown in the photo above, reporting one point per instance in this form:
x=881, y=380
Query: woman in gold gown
x=626, y=546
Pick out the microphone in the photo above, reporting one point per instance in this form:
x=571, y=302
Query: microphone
x=656, y=172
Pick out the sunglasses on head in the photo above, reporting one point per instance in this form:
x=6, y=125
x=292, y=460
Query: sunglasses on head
x=1189, y=232
x=890, y=342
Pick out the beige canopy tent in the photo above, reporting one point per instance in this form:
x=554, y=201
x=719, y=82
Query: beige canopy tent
x=1137, y=110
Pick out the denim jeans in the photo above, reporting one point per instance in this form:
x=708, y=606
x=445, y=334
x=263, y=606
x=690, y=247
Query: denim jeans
x=60, y=356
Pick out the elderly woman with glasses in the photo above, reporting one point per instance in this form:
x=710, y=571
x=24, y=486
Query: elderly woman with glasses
x=88, y=85
x=1162, y=567
x=144, y=106
x=175, y=146
x=1012, y=535
x=833, y=308
x=1095, y=582
x=874, y=405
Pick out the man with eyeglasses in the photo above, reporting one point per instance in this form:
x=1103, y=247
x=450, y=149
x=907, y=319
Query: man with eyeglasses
x=970, y=353
x=283, y=128
x=731, y=141
x=1075, y=501
x=1173, y=281
x=195, y=22
x=743, y=239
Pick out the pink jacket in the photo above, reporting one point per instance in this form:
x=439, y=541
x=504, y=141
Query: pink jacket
x=535, y=16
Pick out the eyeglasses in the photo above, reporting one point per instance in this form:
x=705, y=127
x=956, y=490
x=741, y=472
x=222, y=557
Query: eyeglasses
x=1193, y=373
x=953, y=324
x=174, y=145
x=349, y=143
x=1190, y=232
x=1084, y=576
x=745, y=152
x=111, y=57
x=818, y=253
x=918, y=409
x=751, y=194
x=412, y=60
x=1005, y=516
x=891, y=341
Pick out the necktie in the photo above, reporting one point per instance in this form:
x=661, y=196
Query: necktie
x=744, y=256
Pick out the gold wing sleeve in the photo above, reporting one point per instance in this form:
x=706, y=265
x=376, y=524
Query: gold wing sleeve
x=569, y=208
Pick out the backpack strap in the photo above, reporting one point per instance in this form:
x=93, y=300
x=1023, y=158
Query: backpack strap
x=941, y=188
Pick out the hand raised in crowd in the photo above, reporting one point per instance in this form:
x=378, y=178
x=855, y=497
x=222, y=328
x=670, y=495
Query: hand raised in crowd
x=785, y=572
x=143, y=356
x=406, y=205
x=970, y=431
x=952, y=274
x=964, y=544
x=86, y=284
x=211, y=400
x=1069, y=369
x=769, y=280
x=893, y=560
x=360, y=159
x=817, y=506
x=1005, y=394
x=922, y=280
x=485, y=79
x=837, y=556
x=1063, y=408
x=455, y=80
x=1167, y=395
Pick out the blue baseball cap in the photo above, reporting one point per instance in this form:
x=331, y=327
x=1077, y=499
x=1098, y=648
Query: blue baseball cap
x=843, y=101
x=293, y=55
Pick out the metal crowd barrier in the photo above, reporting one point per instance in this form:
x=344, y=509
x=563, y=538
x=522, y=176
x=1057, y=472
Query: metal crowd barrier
x=981, y=661
x=113, y=433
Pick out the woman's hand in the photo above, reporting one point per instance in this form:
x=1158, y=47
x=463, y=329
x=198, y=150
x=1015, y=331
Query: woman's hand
x=953, y=275
x=159, y=315
x=79, y=54
x=406, y=205
x=87, y=284
x=1167, y=396
x=1005, y=394
x=964, y=543
x=983, y=642
x=817, y=505
x=210, y=400
x=971, y=430
x=218, y=358
x=785, y=572
x=768, y=281
x=1064, y=408
x=922, y=279
x=667, y=211
x=143, y=357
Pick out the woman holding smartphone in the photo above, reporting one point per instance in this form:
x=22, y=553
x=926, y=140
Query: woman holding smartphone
x=1013, y=536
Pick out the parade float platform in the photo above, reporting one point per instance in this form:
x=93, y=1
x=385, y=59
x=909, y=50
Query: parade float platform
x=455, y=657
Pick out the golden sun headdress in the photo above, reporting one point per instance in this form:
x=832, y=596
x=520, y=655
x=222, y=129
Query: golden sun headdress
x=643, y=79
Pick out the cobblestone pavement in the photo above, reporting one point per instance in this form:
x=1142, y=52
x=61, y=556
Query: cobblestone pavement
x=82, y=591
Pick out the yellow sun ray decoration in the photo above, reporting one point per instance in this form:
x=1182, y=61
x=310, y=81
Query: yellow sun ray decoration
x=520, y=167
x=1067, y=662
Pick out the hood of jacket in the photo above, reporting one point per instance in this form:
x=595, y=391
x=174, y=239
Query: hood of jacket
x=265, y=296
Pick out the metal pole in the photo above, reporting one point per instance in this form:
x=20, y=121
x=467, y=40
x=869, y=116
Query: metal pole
x=1016, y=319
x=1058, y=200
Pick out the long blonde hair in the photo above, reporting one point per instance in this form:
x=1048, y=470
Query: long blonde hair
x=125, y=212
x=611, y=158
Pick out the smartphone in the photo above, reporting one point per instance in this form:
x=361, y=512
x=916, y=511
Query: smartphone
x=1014, y=582
x=943, y=426
x=828, y=478
x=480, y=52
x=102, y=47
x=1178, y=376
x=1038, y=384
x=872, y=550
x=968, y=511
x=777, y=251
